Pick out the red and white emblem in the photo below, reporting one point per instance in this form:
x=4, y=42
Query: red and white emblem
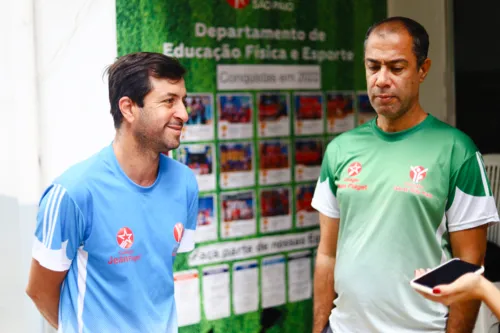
x=418, y=173
x=354, y=169
x=238, y=3
x=178, y=232
x=125, y=238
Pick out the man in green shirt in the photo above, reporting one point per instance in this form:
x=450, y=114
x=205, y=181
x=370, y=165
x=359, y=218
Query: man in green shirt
x=400, y=192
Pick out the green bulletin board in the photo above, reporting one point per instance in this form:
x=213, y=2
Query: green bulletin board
x=270, y=84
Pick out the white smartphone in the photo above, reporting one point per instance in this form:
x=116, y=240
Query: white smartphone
x=444, y=274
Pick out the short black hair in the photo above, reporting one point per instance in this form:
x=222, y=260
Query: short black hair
x=129, y=76
x=417, y=32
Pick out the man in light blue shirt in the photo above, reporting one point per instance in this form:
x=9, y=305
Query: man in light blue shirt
x=108, y=228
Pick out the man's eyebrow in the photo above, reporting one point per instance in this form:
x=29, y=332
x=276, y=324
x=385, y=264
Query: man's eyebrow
x=170, y=95
x=394, y=61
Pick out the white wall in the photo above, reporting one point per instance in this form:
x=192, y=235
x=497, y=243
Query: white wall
x=437, y=92
x=54, y=110
x=19, y=171
x=75, y=42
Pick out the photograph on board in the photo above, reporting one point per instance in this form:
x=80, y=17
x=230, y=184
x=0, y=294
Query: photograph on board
x=200, y=159
x=235, y=116
x=366, y=112
x=273, y=114
x=275, y=209
x=308, y=158
x=238, y=214
x=236, y=164
x=200, y=124
x=308, y=113
x=274, y=162
x=305, y=214
x=206, y=229
x=340, y=111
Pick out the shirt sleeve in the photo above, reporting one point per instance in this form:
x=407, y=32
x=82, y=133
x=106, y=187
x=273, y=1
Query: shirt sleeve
x=187, y=242
x=59, y=230
x=470, y=200
x=324, y=199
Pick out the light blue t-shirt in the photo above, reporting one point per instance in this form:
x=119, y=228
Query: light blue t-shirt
x=118, y=240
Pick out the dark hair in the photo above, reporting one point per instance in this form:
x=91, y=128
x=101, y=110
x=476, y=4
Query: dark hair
x=416, y=31
x=129, y=76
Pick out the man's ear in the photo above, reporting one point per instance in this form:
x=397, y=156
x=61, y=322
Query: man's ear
x=127, y=108
x=424, y=69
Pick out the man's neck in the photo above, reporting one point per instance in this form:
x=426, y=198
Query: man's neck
x=138, y=163
x=412, y=118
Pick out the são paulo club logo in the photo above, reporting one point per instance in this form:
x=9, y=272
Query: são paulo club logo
x=418, y=173
x=238, y=4
x=354, y=169
x=178, y=232
x=125, y=238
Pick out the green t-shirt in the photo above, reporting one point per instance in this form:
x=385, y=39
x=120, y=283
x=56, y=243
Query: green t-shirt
x=398, y=196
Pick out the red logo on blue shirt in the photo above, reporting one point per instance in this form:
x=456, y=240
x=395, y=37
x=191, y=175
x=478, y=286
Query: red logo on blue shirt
x=178, y=232
x=125, y=238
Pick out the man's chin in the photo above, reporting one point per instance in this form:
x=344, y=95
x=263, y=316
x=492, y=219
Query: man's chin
x=173, y=144
x=168, y=146
x=389, y=113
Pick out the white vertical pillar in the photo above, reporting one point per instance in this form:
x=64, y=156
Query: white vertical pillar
x=76, y=41
x=19, y=171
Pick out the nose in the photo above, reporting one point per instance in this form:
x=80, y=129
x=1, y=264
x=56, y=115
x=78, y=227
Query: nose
x=181, y=112
x=383, y=79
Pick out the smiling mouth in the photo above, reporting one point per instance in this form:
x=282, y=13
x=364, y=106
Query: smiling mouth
x=175, y=127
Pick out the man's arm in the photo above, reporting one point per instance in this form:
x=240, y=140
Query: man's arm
x=468, y=245
x=44, y=288
x=324, y=292
x=59, y=232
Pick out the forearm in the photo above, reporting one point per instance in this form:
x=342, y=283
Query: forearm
x=462, y=317
x=491, y=297
x=48, y=306
x=324, y=292
x=468, y=245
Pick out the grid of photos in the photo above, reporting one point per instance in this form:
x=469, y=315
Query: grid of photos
x=257, y=156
